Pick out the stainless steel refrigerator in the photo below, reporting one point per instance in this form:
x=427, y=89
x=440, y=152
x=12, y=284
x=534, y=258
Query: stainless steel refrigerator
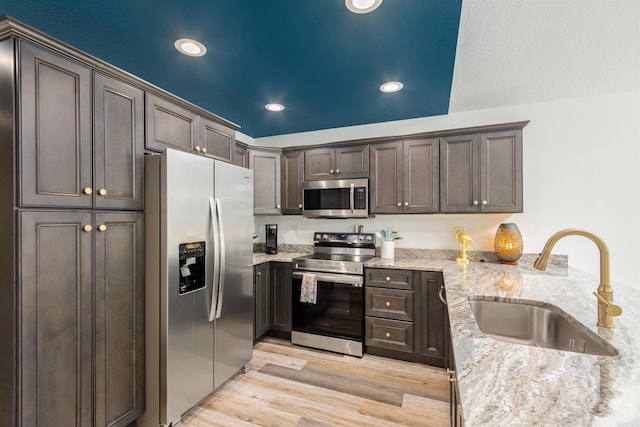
x=199, y=287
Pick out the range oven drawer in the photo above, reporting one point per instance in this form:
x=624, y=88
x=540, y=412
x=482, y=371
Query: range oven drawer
x=389, y=303
x=389, y=334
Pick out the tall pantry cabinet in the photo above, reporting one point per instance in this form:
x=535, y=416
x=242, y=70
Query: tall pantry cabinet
x=71, y=244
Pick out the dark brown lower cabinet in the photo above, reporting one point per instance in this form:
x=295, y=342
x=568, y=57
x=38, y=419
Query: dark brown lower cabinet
x=272, y=294
x=281, y=293
x=63, y=309
x=405, y=317
x=455, y=408
x=263, y=317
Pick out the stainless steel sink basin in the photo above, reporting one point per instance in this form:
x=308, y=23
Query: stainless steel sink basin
x=529, y=323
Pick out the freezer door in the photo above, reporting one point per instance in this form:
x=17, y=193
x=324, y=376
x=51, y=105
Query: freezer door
x=187, y=374
x=234, y=311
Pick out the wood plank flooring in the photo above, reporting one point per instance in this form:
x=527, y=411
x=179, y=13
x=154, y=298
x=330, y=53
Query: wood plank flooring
x=292, y=386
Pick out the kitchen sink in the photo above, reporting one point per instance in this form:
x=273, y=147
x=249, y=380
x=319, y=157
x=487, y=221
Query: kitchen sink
x=536, y=324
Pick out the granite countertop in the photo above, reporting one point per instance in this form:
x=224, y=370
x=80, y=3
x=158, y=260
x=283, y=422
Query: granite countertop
x=509, y=384
x=259, y=258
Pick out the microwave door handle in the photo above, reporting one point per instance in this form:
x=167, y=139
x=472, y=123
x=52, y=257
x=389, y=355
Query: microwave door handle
x=351, y=195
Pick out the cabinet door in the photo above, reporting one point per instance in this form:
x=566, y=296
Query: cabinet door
x=459, y=174
x=433, y=320
x=421, y=176
x=386, y=178
x=501, y=172
x=169, y=125
x=292, y=178
x=218, y=141
x=55, y=130
x=352, y=162
x=262, y=294
x=266, y=169
x=319, y=163
x=119, y=144
x=281, y=286
x=119, y=318
x=241, y=157
x=56, y=319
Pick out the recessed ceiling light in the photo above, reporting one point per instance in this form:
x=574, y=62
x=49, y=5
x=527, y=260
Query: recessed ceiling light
x=190, y=47
x=390, y=87
x=362, y=6
x=274, y=107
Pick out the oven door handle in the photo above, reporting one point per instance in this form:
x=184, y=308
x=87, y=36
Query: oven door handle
x=335, y=278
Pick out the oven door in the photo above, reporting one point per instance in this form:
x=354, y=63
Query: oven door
x=338, y=311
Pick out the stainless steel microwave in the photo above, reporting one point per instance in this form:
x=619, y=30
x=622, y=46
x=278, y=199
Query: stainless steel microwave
x=339, y=198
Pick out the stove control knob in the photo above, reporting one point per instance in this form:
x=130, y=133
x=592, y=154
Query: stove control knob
x=325, y=236
x=369, y=238
x=317, y=237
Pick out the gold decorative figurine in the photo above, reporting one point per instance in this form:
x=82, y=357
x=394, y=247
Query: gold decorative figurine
x=466, y=241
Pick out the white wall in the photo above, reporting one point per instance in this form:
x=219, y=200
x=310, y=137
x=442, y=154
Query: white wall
x=581, y=162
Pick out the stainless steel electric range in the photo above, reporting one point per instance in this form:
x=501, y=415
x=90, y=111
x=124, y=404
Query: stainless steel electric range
x=335, y=322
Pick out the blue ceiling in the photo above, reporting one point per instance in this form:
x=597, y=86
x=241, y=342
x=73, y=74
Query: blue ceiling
x=324, y=63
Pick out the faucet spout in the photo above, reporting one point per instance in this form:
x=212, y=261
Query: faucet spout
x=606, y=310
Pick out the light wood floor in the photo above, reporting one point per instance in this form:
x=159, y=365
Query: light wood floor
x=296, y=386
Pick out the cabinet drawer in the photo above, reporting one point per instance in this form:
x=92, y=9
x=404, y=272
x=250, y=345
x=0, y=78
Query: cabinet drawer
x=394, y=279
x=389, y=334
x=389, y=303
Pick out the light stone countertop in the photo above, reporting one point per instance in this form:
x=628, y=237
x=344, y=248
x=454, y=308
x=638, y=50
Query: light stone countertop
x=506, y=384
x=259, y=258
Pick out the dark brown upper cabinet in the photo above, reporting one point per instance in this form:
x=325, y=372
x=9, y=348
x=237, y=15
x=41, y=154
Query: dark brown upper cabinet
x=241, y=156
x=404, y=176
x=481, y=172
x=55, y=149
x=350, y=161
x=292, y=177
x=265, y=164
x=181, y=128
x=119, y=144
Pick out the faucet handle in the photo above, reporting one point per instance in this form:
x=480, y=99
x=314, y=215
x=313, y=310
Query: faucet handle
x=611, y=309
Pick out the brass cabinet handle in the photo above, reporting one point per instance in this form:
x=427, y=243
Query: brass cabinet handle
x=475, y=202
x=406, y=203
x=388, y=279
x=88, y=190
x=337, y=170
x=450, y=372
x=387, y=304
x=204, y=150
x=484, y=202
x=102, y=227
x=87, y=228
x=388, y=335
x=398, y=204
x=197, y=148
x=102, y=192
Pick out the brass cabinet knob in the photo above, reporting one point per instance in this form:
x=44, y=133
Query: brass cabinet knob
x=300, y=206
x=102, y=227
x=484, y=202
x=388, y=279
x=406, y=203
x=450, y=372
x=277, y=206
x=102, y=192
x=87, y=228
x=204, y=150
x=387, y=304
x=398, y=204
x=197, y=148
x=331, y=171
x=475, y=202
x=259, y=273
x=88, y=190
x=337, y=170
x=388, y=335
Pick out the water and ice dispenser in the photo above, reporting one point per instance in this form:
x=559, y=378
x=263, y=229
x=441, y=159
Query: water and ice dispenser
x=191, y=258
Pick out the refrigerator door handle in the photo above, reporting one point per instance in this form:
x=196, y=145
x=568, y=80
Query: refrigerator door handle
x=222, y=258
x=216, y=264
